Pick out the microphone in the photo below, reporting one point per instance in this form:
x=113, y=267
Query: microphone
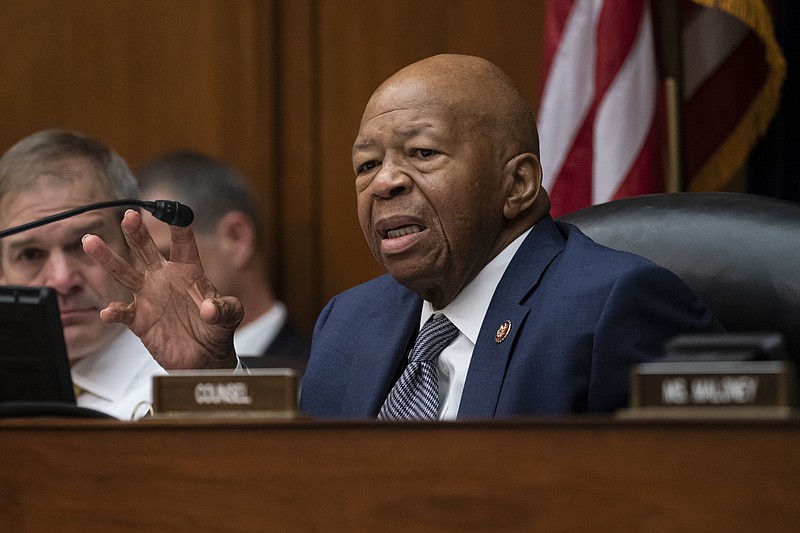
x=169, y=211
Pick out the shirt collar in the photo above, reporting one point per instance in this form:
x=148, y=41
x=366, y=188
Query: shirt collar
x=109, y=373
x=467, y=310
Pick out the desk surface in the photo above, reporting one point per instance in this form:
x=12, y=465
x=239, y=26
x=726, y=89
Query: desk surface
x=578, y=474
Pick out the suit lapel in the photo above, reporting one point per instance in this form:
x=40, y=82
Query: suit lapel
x=381, y=346
x=490, y=358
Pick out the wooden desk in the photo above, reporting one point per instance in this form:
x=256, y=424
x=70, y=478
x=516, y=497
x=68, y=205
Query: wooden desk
x=582, y=474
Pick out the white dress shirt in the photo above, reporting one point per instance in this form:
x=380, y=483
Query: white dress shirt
x=117, y=379
x=466, y=312
x=254, y=338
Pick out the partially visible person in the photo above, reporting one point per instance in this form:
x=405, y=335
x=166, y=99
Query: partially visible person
x=227, y=229
x=489, y=308
x=52, y=171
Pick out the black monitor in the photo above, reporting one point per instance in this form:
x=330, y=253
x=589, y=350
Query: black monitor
x=35, y=377
x=33, y=356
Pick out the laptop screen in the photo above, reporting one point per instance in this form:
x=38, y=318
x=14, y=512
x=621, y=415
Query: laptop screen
x=33, y=356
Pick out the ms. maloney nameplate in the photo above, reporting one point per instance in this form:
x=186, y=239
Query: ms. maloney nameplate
x=713, y=388
x=196, y=393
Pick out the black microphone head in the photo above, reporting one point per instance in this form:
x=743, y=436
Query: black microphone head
x=171, y=212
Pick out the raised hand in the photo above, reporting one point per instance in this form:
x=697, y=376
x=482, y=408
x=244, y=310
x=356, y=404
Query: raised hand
x=176, y=311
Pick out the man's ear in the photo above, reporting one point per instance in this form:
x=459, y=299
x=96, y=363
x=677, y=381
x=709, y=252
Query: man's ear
x=524, y=173
x=237, y=234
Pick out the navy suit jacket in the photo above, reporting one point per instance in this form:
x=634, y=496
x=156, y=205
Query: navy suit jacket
x=581, y=315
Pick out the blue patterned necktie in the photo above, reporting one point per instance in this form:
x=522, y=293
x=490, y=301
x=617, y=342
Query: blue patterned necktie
x=415, y=396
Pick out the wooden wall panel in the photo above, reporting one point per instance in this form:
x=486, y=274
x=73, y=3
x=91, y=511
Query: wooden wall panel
x=143, y=76
x=299, y=269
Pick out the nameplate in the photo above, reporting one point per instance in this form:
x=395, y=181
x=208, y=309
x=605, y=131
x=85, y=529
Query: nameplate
x=713, y=384
x=192, y=393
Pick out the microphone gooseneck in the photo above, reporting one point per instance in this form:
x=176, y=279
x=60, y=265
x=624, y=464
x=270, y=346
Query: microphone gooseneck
x=169, y=211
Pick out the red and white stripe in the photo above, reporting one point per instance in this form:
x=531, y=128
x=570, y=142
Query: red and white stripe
x=597, y=118
x=723, y=71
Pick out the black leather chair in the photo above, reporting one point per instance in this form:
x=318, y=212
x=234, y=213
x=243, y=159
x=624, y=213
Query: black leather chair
x=739, y=252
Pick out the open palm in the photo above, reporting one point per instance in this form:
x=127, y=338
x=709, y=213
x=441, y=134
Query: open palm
x=176, y=311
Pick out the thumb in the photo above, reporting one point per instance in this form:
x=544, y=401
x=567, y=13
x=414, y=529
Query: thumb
x=223, y=311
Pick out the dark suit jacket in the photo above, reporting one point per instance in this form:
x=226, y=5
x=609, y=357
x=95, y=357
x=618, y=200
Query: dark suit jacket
x=289, y=349
x=581, y=315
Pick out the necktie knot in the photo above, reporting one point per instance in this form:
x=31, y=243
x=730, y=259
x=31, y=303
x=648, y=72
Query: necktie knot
x=415, y=396
x=432, y=339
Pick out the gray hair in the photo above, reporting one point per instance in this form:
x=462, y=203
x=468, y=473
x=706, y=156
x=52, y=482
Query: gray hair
x=44, y=151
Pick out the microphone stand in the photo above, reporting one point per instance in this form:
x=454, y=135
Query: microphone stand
x=171, y=212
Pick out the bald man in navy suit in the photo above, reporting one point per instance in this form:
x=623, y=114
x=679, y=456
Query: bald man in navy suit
x=450, y=200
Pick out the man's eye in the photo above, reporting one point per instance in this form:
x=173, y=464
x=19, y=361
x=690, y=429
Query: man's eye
x=366, y=167
x=424, y=152
x=30, y=254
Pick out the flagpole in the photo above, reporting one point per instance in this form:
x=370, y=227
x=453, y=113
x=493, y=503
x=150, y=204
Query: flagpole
x=671, y=59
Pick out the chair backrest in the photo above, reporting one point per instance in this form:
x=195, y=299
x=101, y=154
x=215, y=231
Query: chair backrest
x=739, y=252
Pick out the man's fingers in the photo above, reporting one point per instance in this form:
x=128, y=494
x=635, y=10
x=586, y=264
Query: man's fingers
x=119, y=268
x=184, y=246
x=140, y=242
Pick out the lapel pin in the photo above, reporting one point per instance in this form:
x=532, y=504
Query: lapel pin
x=502, y=332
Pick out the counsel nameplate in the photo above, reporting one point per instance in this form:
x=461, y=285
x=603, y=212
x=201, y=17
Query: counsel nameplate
x=188, y=393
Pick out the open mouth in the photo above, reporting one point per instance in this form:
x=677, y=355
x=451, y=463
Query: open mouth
x=402, y=232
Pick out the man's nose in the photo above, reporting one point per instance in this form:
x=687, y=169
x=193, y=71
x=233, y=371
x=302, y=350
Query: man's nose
x=62, y=272
x=391, y=180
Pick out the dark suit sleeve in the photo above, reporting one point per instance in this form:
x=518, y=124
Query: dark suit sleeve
x=646, y=307
x=289, y=342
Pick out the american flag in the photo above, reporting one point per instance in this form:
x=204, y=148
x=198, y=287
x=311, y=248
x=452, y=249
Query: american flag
x=733, y=70
x=601, y=117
